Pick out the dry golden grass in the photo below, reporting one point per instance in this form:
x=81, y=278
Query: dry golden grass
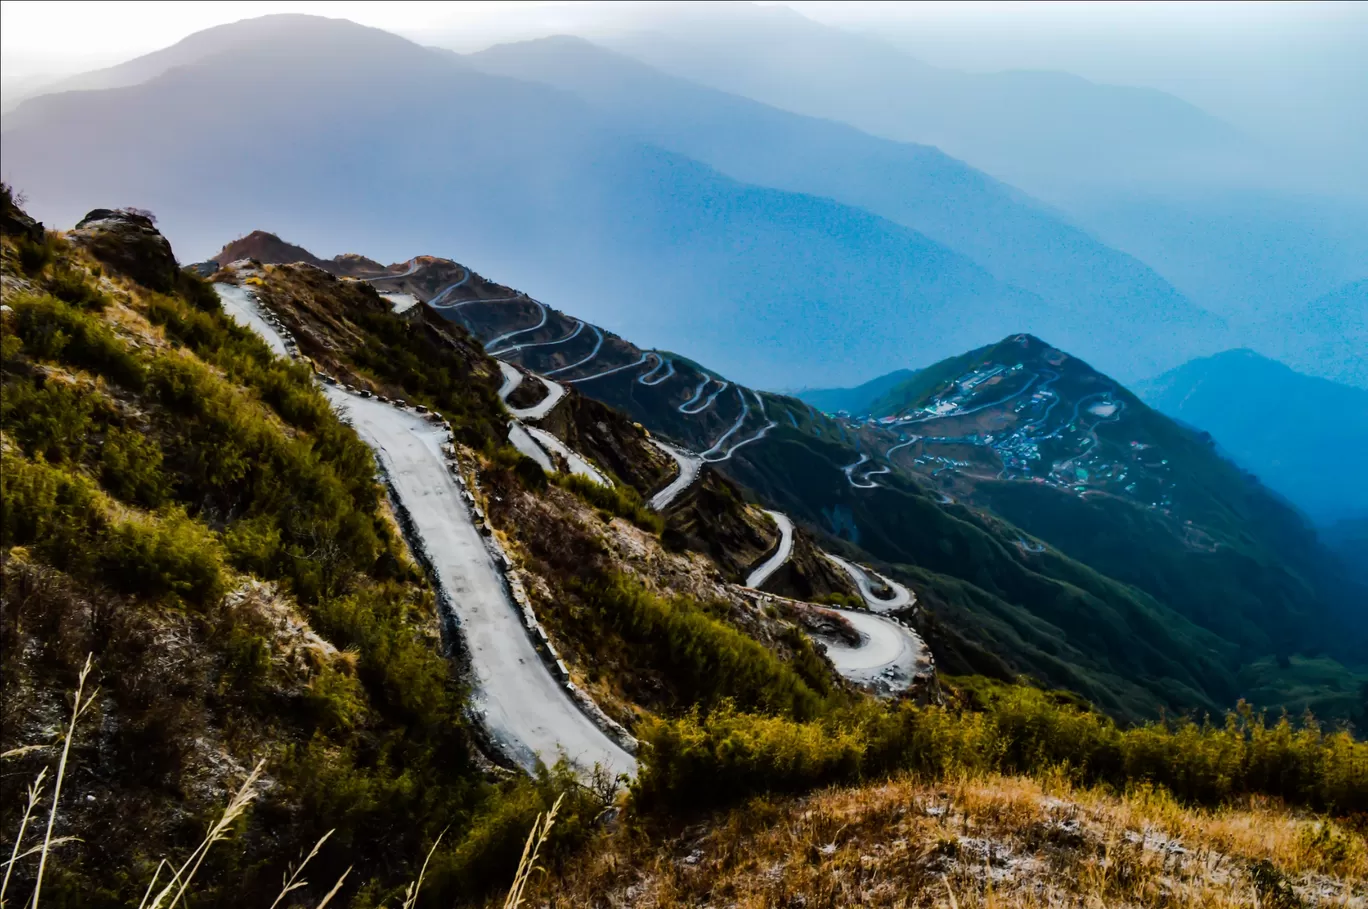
x=974, y=843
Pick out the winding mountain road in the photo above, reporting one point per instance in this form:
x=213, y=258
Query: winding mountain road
x=888, y=657
x=579, y=465
x=781, y=555
x=902, y=597
x=522, y=440
x=527, y=712
x=238, y=303
x=689, y=466
x=513, y=378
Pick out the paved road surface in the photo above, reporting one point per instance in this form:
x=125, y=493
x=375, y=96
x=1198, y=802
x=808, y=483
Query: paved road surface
x=579, y=465
x=520, y=439
x=689, y=466
x=513, y=377
x=888, y=657
x=401, y=302
x=526, y=711
x=238, y=303
x=901, y=595
x=781, y=555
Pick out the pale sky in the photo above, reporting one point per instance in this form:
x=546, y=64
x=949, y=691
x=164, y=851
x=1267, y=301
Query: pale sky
x=1284, y=71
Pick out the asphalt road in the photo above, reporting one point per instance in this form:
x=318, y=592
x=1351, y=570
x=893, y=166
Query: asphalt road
x=521, y=439
x=513, y=377
x=781, y=555
x=901, y=598
x=238, y=303
x=888, y=657
x=579, y=465
x=689, y=466
x=527, y=712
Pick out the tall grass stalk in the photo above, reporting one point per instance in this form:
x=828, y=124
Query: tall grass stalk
x=536, y=838
x=411, y=895
x=35, y=794
x=333, y=892
x=219, y=831
x=77, y=708
x=294, y=881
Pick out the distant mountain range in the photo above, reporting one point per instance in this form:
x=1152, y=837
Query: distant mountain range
x=1327, y=336
x=1055, y=524
x=1019, y=239
x=854, y=400
x=1307, y=438
x=1231, y=226
x=296, y=126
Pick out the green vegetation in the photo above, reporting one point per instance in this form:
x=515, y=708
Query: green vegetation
x=425, y=359
x=703, y=658
x=157, y=463
x=620, y=501
x=701, y=760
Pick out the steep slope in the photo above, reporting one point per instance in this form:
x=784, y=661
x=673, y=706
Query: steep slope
x=1225, y=571
x=1303, y=437
x=1066, y=453
x=184, y=502
x=184, y=507
x=1016, y=238
x=528, y=183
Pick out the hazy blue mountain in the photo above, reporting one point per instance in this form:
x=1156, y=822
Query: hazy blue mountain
x=1302, y=436
x=854, y=400
x=1247, y=255
x=1049, y=133
x=1326, y=337
x=1236, y=230
x=340, y=135
x=1016, y=238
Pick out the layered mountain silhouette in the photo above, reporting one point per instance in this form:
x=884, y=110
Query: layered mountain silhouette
x=1017, y=238
x=1304, y=437
x=1050, y=133
x=1221, y=218
x=1327, y=336
x=325, y=130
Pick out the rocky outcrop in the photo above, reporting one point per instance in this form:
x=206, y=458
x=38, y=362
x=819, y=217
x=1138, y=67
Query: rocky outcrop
x=267, y=248
x=712, y=517
x=128, y=243
x=15, y=222
x=609, y=439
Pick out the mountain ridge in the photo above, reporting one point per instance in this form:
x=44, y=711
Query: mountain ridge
x=563, y=203
x=841, y=478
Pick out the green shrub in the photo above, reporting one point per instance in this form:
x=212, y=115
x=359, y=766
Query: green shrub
x=621, y=501
x=704, y=659
x=49, y=417
x=70, y=523
x=130, y=467
x=1019, y=730
x=71, y=286
x=702, y=760
x=54, y=330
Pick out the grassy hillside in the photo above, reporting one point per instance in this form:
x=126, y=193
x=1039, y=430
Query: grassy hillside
x=185, y=507
x=182, y=506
